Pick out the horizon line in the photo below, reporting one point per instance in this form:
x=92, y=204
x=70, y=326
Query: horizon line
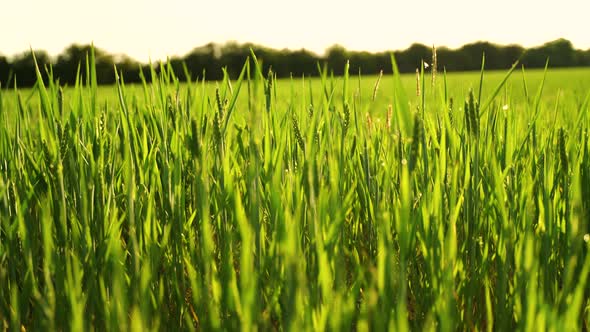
x=294, y=49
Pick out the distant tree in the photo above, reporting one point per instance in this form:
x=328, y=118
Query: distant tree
x=584, y=58
x=76, y=55
x=208, y=60
x=202, y=60
x=364, y=61
x=304, y=63
x=130, y=68
x=472, y=54
x=510, y=54
x=24, y=67
x=285, y=62
x=5, y=69
x=68, y=61
x=336, y=57
x=105, y=67
x=452, y=60
x=232, y=57
x=410, y=59
x=560, y=53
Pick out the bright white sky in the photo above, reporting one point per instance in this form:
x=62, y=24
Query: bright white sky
x=149, y=28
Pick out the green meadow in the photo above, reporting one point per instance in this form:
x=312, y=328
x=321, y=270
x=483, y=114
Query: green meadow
x=435, y=201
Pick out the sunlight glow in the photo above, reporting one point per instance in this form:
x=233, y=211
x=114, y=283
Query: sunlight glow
x=156, y=29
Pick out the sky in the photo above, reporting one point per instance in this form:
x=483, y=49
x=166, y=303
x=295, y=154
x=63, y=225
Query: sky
x=145, y=29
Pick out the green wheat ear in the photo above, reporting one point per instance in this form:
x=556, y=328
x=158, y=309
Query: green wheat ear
x=389, y=116
x=416, y=141
x=471, y=109
x=60, y=102
x=268, y=88
x=434, y=65
x=450, y=111
x=376, y=88
x=297, y=132
x=346, y=120
x=418, y=93
x=195, y=139
x=219, y=104
x=561, y=143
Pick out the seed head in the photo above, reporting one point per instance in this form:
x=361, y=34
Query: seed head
x=377, y=85
x=369, y=122
x=434, y=64
x=297, y=133
x=346, y=121
x=389, y=115
x=417, y=82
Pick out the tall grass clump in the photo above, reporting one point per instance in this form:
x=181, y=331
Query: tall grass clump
x=251, y=204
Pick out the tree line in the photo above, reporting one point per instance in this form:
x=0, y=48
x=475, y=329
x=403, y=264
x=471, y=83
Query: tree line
x=207, y=61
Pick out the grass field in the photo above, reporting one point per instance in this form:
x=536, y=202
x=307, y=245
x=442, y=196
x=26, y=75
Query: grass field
x=305, y=204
